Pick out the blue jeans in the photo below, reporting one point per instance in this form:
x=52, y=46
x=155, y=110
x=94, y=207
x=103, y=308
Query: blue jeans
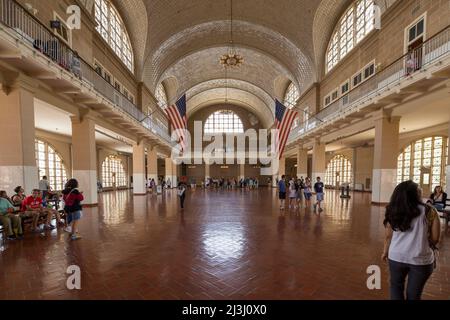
x=439, y=206
x=417, y=277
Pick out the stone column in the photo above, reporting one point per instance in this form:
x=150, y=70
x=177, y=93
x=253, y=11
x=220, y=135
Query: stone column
x=17, y=139
x=171, y=172
x=152, y=164
x=85, y=157
x=139, y=169
x=280, y=171
x=302, y=162
x=242, y=171
x=318, y=161
x=385, y=157
x=207, y=171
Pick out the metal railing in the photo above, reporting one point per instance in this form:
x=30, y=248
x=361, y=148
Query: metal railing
x=35, y=34
x=414, y=61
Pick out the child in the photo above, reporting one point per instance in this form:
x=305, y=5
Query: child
x=292, y=195
x=318, y=188
x=72, y=200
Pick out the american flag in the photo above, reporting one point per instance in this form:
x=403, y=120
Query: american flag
x=178, y=119
x=284, y=118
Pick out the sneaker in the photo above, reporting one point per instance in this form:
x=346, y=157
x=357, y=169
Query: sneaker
x=13, y=237
x=75, y=237
x=62, y=222
x=49, y=227
x=68, y=229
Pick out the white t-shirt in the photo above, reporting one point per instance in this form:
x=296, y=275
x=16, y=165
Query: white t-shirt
x=44, y=185
x=412, y=246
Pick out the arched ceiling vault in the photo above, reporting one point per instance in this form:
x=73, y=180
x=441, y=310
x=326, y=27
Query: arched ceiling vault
x=258, y=69
x=216, y=34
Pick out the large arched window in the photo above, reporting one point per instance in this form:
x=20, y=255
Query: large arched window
x=113, y=173
x=339, y=171
x=353, y=26
x=291, y=96
x=50, y=164
x=161, y=96
x=112, y=29
x=424, y=162
x=224, y=121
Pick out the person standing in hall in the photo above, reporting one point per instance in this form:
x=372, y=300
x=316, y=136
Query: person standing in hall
x=282, y=191
x=307, y=191
x=72, y=199
x=412, y=234
x=318, y=188
x=182, y=194
x=44, y=187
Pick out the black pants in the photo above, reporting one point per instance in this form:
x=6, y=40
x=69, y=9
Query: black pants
x=417, y=277
x=182, y=200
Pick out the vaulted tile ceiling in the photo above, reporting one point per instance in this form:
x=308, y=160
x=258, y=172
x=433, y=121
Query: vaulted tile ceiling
x=281, y=41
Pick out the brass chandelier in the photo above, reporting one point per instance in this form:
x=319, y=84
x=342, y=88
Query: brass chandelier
x=231, y=59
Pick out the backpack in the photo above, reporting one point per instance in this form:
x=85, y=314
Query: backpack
x=431, y=214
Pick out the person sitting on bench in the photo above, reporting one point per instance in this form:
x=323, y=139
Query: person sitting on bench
x=34, y=205
x=10, y=221
x=438, y=198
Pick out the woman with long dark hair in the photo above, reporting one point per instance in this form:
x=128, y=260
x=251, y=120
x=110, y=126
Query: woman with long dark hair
x=412, y=233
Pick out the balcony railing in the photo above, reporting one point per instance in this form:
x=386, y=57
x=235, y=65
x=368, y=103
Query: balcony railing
x=414, y=61
x=38, y=36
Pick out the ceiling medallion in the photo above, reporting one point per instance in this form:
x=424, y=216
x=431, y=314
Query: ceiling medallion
x=231, y=60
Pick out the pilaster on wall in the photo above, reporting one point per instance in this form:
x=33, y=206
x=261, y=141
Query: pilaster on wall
x=385, y=156
x=280, y=171
x=85, y=157
x=17, y=159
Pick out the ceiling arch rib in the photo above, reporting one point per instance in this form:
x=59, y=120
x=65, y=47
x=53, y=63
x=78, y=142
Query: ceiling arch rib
x=214, y=34
x=258, y=69
x=232, y=83
x=236, y=96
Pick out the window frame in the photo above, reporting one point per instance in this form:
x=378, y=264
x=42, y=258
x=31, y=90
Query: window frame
x=48, y=171
x=407, y=42
x=372, y=63
x=223, y=125
x=112, y=29
x=334, y=52
x=57, y=17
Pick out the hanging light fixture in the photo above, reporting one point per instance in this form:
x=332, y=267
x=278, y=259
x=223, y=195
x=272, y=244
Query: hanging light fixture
x=232, y=58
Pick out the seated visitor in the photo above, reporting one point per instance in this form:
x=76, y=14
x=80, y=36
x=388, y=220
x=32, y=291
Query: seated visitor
x=18, y=197
x=10, y=221
x=33, y=206
x=438, y=198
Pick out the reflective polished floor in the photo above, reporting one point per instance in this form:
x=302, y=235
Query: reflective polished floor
x=226, y=245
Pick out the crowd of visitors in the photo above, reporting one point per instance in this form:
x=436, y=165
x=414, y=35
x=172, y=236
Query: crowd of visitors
x=297, y=189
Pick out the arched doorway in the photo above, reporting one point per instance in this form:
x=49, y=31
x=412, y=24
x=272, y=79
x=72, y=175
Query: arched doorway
x=339, y=171
x=424, y=161
x=113, y=173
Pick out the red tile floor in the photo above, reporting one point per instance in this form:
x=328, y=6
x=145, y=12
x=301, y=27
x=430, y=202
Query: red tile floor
x=226, y=245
